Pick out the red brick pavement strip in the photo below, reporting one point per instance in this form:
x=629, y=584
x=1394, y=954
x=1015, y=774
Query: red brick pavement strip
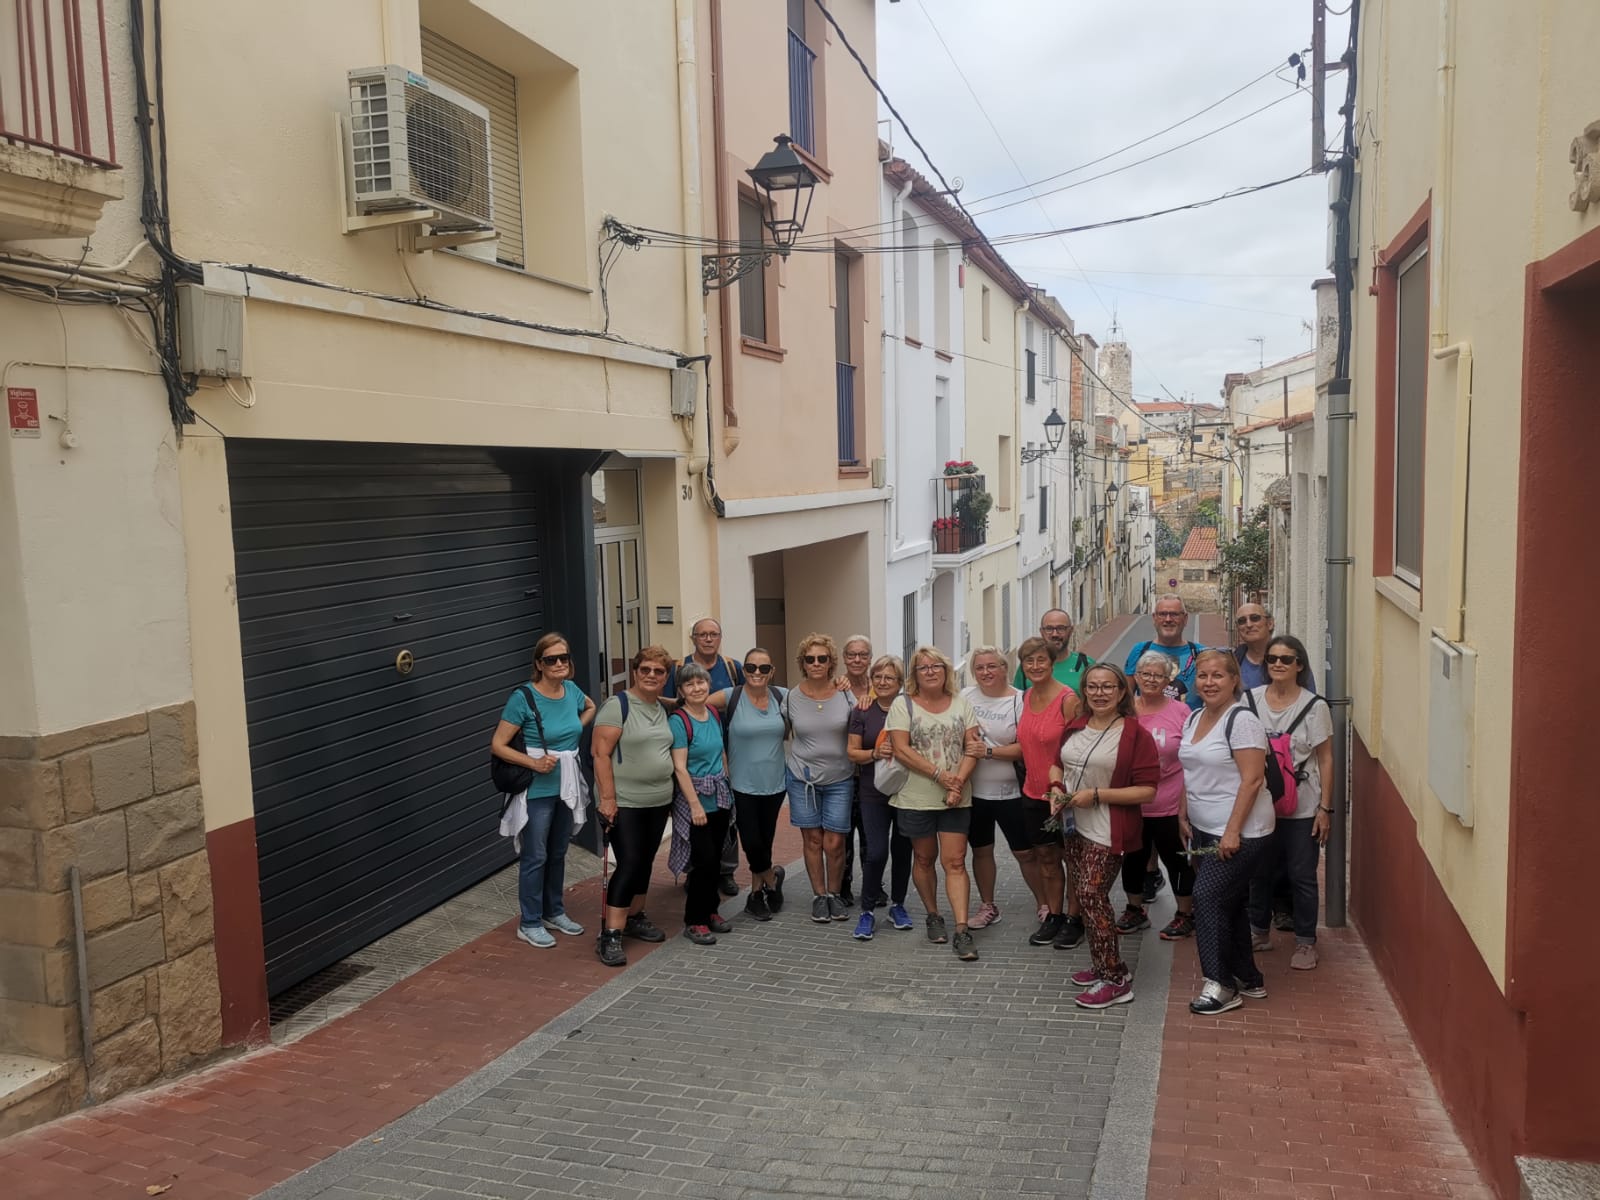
x=1316, y=1092
x=233, y=1131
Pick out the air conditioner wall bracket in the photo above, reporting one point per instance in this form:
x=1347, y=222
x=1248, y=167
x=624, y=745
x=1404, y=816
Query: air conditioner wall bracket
x=418, y=242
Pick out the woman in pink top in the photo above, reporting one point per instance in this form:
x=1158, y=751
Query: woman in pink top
x=1047, y=706
x=1163, y=717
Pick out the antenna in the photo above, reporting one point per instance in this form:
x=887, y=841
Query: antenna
x=1261, y=351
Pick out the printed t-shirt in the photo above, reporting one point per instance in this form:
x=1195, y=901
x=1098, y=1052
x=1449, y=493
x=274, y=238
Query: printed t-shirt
x=705, y=752
x=867, y=724
x=1166, y=727
x=1041, y=735
x=817, y=737
x=1303, y=742
x=1211, y=776
x=996, y=778
x=1088, y=760
x=941, y=738
x=755, y=746
x=563, y=728
x=644, y=774
x=1069, y=670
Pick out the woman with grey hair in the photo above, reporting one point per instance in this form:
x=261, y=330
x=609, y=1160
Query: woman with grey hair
x=996, y=790
x=703, y=804
x=1163, y=717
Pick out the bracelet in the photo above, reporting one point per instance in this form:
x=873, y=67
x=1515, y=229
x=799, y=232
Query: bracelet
x=1097, y=795
x=1325, y=808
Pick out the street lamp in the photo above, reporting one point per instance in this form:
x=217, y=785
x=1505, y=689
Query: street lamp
x=785, y=185
x=1054, y=429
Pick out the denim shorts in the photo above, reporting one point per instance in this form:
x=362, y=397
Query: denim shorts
x=819, y=805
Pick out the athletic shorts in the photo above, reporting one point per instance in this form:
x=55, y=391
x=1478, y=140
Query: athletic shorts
x=917, y=823
x=1034, y=814
x=1007, y=815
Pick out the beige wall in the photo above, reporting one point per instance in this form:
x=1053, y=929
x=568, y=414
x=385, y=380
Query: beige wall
x=1501, y=203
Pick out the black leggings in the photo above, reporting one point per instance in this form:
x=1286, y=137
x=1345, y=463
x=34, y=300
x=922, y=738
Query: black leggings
x=1163, y=832
x=635, y=838
x=758, y=825
x=705, y=867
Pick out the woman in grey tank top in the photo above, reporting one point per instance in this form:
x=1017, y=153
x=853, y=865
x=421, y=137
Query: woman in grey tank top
x=818, y=773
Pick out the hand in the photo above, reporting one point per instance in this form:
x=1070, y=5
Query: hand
x=545, y=764
x=697, y=813
x=608, y=809
x=1321, y=826
x=885, y=750
x=841, y=683
x=1185, y=833
x=952, y=796
x=1229, y=845
x=1058, y=799
x=975, y=749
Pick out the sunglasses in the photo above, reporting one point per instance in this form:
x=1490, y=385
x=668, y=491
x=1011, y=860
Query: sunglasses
x=555, y=660
x=758, y=668
x=651, y=670
x=814, y=659
x=1251, y=619
x=1280, y=660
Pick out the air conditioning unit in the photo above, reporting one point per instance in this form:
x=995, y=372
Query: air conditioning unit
x=415, y=144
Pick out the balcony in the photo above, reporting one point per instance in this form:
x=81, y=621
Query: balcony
x=58, y=144
x=961, y=506
x=844, y=375
x=802, y=114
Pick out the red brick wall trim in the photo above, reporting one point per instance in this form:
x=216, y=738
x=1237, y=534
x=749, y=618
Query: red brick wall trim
x=1386, y=283
x=241, y=951
x=1555, y=822
x=1472, y=1040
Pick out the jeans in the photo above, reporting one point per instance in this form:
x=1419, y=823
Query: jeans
x=757, y=816
x=705, y=867
x=542, y=867
x=1293, y=856
x=1221, y=926
x=1162, y=833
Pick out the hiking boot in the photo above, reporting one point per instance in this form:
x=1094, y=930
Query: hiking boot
x=536, y=935
x=1049, y=929
x=1071, y=933
x=700, y=935
x=986, y=916
x=864, y=927
x=756, y=905
x=819, y=910
x=1132, y=920
x=717, y=924
x=1181, y=926
x=608, y=946
x=836, y=908
x=728, y=885
x=1305, y=957
x=899, y=917
x=1214, y=999
x=1153, y=883
x=963, y=946
x=641, y=927
x=936, y=933
x=563, y=924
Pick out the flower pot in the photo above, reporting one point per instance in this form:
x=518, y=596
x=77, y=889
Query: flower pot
x=947, y=541
x=953, y=482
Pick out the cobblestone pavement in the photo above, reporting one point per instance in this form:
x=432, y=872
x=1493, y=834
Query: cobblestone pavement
x=788, y=1060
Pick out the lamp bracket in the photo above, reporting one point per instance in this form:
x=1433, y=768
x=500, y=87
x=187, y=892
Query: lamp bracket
x=717, y=271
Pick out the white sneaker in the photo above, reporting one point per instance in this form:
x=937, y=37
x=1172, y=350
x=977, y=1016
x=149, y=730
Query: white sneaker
x=1214, y=999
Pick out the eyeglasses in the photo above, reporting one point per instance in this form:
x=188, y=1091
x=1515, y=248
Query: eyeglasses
x=812, y=660
x=1280, y=660
x=651, y=670
x=1251, y=619
x=1170, y=616
x=930, y=668
x=1055, y=629
x=706, y=633
x=989, y=665
x=758, y=668
x=1101, y=687
x=555, y=660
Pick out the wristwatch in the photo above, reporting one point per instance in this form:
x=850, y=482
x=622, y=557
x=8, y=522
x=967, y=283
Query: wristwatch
x=988, y=751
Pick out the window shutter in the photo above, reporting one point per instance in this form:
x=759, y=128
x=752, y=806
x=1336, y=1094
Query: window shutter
x=496, y=90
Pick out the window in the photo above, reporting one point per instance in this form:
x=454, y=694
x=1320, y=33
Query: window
x=1410, y=413
x=1194, y=574
x=1007, y=473
x=1005, y=616
x=941, y=296
x=844, y=347
x=753, y=287
x=802, y=75
x=1033, y=375
x=911, y=277
x=1044, y=507
x=984, y=303
x=908, y=626
x=496, y=90
x=1030, y=475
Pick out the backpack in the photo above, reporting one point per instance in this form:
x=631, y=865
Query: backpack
x=510, y=778
x=889, y=775
x=1280, y=759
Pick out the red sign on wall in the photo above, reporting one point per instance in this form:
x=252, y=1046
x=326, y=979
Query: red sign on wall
x=22, y=408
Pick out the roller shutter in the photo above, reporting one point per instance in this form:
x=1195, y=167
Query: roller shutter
x=371, y=796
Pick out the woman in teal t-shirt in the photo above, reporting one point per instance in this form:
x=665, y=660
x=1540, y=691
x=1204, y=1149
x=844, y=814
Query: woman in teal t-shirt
x=704, y=803
x=562, y=712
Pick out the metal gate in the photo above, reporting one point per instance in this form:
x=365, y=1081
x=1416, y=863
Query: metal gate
x=388, y=600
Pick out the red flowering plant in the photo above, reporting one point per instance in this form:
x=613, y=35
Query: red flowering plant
x=960, y=467
x=943, y=523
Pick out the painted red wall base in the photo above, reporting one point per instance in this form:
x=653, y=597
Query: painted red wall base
x=241, y=952
x=1473, y=1041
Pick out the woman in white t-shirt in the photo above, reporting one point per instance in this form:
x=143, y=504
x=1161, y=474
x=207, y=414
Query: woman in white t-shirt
x=1288, y=705
x=1226, y=815
x=996, y=792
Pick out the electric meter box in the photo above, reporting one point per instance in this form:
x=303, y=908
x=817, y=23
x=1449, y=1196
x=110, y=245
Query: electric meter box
x=210, y=332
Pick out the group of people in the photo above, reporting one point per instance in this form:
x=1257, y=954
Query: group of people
x=1089, y=771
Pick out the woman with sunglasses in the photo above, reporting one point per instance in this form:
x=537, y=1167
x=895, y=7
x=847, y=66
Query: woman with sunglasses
x=1108, y=767
x=1289, y=704
x=633, y=773
x=1163, y=717
x=550, y=715
x=754, y=723
x=996, y=794
x=867, y=746
x=818, y=773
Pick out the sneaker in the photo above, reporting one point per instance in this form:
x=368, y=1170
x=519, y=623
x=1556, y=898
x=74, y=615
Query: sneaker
x=1181, y=926
x=563, y=924
x=641, y=927
x=986, y=916
x=1256, y=991
x=775, y=892
x=1153, y=883
x=1214, y=999
x=1132, y=920
x=936, y=932
x=864, y=927
x=1071, y=933
x=963, y=945
x=899, y=917
x=1049, y=929
x=718, y=925
x=536, y=935
x=819, y=909
x=700, y=935
x=1283, y=922
x=1305, y=957
x=728, y=885
x=1260, y=941
x=836, y=908
x=609, y=948
x=1085, y=978
x=847, y=897
x=1104, y=995
x=756, y=904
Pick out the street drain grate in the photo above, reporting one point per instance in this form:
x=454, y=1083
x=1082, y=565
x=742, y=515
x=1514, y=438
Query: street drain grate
x=308, y=991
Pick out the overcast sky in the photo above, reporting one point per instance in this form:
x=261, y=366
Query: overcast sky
x=1067, y=81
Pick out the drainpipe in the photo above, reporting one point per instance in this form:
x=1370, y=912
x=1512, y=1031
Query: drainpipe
x=1444, y=171
x=694, y=315
x=1455, y=629
x=891, y=362
x=719, y=176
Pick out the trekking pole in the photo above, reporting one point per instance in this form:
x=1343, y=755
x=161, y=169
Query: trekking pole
x=605, y=830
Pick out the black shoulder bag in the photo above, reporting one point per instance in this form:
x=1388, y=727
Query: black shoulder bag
x=509, y=778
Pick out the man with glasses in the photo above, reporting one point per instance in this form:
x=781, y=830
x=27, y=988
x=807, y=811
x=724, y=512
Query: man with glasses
x=1169, y=618
x=1256, y=627
x=1055, y=627
x=706, y=634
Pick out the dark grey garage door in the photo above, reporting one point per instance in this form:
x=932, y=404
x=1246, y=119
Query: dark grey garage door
x=371, y=796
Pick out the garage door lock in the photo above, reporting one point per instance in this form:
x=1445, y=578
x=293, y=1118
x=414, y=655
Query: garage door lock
x=404, y=661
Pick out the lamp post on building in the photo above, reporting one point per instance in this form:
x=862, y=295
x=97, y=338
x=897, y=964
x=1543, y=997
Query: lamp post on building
x=785, y=185
x=1055, y=427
